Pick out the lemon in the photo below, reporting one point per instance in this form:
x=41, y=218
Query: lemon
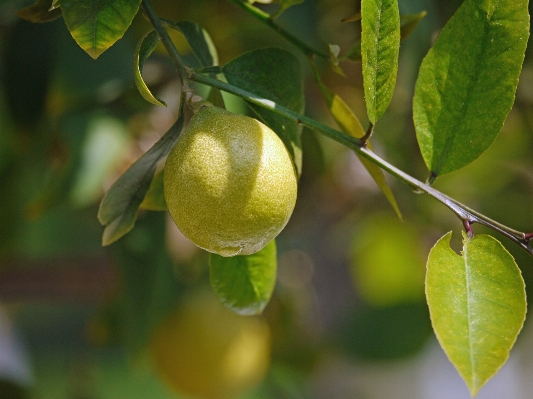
x=208, y=352
x=230, y=184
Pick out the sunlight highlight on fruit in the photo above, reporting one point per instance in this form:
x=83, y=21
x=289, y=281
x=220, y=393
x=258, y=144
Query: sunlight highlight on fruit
x=230, y=184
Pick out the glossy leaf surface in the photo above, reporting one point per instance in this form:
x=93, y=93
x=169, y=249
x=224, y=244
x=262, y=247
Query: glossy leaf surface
x=467, y=82
x=244, y=284
x=97, y=24
x=477, y=303
x=274, y=74
x=146, y=46
x=118, y=210
x=380, y=46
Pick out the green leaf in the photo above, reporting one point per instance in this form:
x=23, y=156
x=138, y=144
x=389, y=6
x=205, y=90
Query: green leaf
x=244, y=283
x=119, y=207
x=40, y=11
x=349, y=124
x=380, y=46
x=467, y=82
x=477, y=303
x=154, y=200
x=145, y=47
x=408, y=24
x=199, y=40
x=274, y=74
x=97, y=24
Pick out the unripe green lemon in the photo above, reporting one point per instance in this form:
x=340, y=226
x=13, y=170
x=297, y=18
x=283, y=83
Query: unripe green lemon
x=230, y=184
x=206, y=351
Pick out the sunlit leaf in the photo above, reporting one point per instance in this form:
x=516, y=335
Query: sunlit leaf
x=145, y=47
x=276, y=75
x=244, y=283
x=118, y=210
x=97, y=24
x=349, y=124
x=467, y=82
x=477, y=303
x=408, y=24
x=40, y=11
x=380, y=46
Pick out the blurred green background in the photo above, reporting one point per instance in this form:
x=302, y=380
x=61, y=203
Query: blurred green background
x=348, y=318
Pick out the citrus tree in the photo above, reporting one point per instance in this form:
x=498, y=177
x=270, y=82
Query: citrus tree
x=230, y=180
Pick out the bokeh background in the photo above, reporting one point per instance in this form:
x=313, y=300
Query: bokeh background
x=348, y=317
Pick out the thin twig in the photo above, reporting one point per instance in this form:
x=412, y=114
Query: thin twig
x=463, y=212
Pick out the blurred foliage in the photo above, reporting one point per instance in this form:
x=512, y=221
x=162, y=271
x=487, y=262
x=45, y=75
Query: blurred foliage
x=70, y=125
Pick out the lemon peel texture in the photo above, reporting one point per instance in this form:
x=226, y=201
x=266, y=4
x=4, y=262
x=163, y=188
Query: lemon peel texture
x=230, y=184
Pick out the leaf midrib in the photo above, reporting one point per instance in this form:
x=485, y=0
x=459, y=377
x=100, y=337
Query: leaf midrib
x=468, y=314
x=451, y=138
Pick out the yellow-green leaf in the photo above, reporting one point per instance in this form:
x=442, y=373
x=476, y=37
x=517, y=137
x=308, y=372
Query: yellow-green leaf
x=380, y=46
x=477, y=303
x=146, y=46
x=97, y=24
x=467, y=82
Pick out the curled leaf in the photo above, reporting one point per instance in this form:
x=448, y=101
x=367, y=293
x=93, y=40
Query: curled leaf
x=145, y=47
